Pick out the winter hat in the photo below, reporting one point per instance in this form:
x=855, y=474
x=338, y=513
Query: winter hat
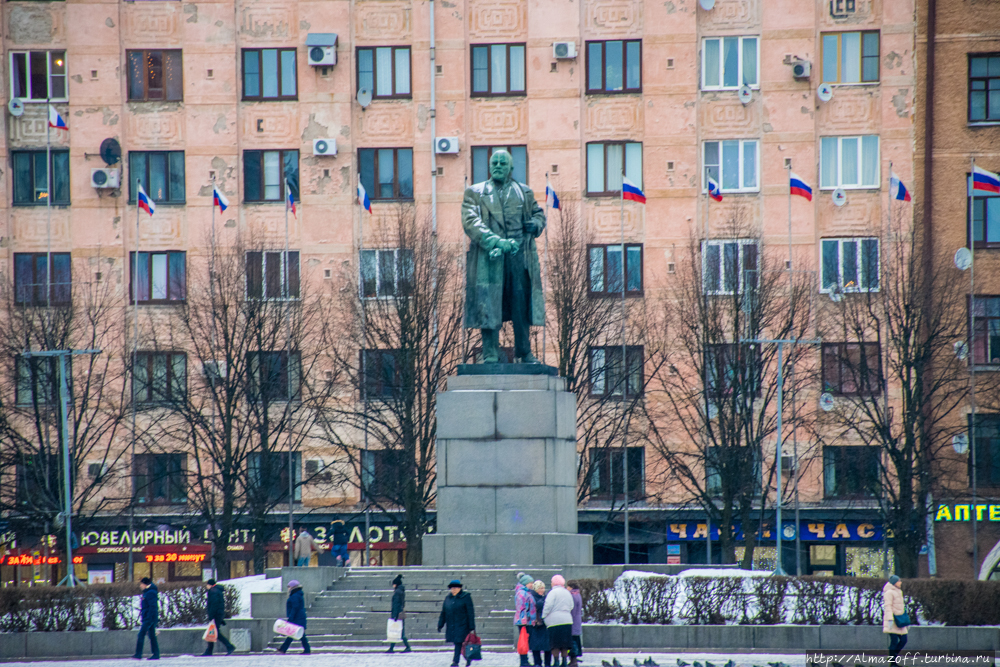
x=294, y=583
x=210, y=582
x=398, y=581
x=893, y=580
x=525, y=580
x=558, y=580
x=538, y=584
x=455, y=583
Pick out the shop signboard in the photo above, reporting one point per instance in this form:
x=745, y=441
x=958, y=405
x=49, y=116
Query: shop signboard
x=810, y=530
x=963, y=512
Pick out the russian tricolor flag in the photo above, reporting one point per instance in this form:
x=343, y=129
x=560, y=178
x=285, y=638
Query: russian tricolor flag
x=799, y=187
x=290, y=200
x=219, y=199
x=985, y=181
x=144, y=202
x=632, y=192
x=551, y=198
x=896, y=188
x=713, y=190
x=363, y=198
x=55, y=120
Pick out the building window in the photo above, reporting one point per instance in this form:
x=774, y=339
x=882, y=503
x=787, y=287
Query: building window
x=986, y=330
x=851, y=369
x=735, y=462
x=37, y=380
x=850, y=57
x=985, y=214
x=160, y=378
x=271, y=378
x=849, y=162
x=605, y=162
x=161, y=174
x=265, y=174
x=733, y=369
x=730, y=62
x=851, y=265
x=728, y=267
x=382, y=470
x=987, y=439
x=607, y=473
x=40, y=480
x=732, y=164
x=269, y=74
x=606, y=371
x=160, y=479
x=381, y=370
x=385, y=71
x=394, y=168
x=481, y=162
x=386, y=272
x=37, y=76
x=31, y=275
x=606, y=269
x=162, y=276
x=984, y=87
x=267, y=474
x=614, y=66
x=850, y=471
x=31, y=181
x=498, y=69
x=155, y=75
x=269, y=278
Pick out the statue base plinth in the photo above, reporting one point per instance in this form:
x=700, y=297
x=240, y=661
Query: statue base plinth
x=507, y=369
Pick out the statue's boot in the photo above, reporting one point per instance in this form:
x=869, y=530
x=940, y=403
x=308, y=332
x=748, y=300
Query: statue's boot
x=529, y=359
x=491, y=346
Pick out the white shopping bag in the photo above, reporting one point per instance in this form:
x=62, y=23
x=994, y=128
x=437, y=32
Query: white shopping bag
x=394, y=631
x=283, y=627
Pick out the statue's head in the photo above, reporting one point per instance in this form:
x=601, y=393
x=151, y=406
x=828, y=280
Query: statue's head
x=501, y=164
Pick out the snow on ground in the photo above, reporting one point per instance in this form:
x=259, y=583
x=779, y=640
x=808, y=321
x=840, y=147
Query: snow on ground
x=724, y=572
x=426, y=659
x=253, y=584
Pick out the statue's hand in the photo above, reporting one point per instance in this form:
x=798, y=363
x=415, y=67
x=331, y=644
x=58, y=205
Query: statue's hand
x=496, y=253
x=532, y=228
x=514, y=247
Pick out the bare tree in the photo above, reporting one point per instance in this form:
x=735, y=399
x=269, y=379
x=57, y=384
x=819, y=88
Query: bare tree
x=396, y=337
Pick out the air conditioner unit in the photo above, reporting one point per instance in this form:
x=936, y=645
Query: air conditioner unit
x=215, y=371
x=801, y=69
x=313, y=466
x=104, y=178
x=322, y=49
x=315, y=472
x=564, y=50
x=325, y=146
x=97, y=470
x=446, y=145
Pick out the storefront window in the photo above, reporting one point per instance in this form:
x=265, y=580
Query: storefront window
x=867, y=562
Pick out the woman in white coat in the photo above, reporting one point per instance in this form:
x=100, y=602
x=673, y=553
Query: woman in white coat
x=558, y=616
x=892, y=606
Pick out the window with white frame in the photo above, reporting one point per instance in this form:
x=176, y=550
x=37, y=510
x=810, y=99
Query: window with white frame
x=729, y=62
x=849, y=162
x=850, y=57
x=732, y=164
x=269, y=278
x=385, y=71
x=850, y=264
x=481, y=162
x=498, y=69
x=605, y=162
x=37, y=76
x=729, y=266
x=387, y=272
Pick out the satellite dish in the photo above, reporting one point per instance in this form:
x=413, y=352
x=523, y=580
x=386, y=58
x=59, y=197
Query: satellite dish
x=961, y=349
x=839, y=197
x=15, y=107
x=713, y=410
x=364, y=98
x=837, y=294
x=963, y=259
x=825, y=92
x=960, y=442
x=111, y=152
x=707, y=4
x=746, y=95
x=826, y=401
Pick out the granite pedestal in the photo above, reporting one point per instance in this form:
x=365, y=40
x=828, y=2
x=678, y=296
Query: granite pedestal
x=506, y=464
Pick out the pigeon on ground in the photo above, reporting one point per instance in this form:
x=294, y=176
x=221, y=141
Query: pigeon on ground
x=730, y=663
x=605, y=663
x=708, y=664
x=681, y=663
x=697, y=664
x=650, y=662
x=615, y=663
x=635, y=661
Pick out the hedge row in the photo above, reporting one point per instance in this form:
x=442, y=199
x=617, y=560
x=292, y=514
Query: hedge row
x=664, y=600
x=108, y=606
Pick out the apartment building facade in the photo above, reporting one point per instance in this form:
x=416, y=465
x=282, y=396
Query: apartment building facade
x=260, y=99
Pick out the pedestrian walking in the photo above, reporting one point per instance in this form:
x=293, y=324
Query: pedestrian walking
x=458, y=614
x=525, y=613
x=558, y=618
x=574, y=590
x=398, y=611
x=305, y=547
x=149, y=616
x=538, y=635
x=894, y=617
x=339, y=538
x=215, y=605
x=295, y=611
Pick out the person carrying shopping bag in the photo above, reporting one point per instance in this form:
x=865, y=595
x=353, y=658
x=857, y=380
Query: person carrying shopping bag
x=215, y=606
x=295, y=611
x=894, y=617
x=458, y=614
x=525, y=615
x=398, y=611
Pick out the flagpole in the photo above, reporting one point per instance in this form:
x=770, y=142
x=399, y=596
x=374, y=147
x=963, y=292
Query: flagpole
x=790, y=225
x=134, y=285
x=48, y=206
x=972, y=365
x=545, y=266
x=621, y=218
x=364, y=365
x=708, y=515
x=288, y=372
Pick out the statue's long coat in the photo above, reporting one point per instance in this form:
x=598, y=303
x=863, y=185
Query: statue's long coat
x=482, y=219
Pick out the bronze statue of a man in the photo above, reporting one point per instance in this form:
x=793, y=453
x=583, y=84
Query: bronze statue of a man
x=504, y=279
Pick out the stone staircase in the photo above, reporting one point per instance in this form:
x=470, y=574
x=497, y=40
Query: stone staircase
x=351, y=615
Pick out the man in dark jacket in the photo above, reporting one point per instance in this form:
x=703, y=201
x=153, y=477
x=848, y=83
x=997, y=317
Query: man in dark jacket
x=340, y=540
x=149, y=616
x=295, y=610
x=216, y=608
x=398, y=608
x=459, y=615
